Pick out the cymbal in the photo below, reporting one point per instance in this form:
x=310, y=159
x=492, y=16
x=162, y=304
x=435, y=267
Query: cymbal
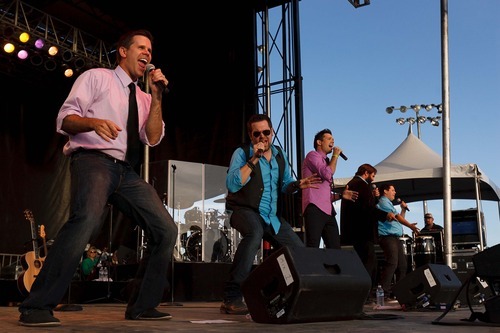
x=219, y=200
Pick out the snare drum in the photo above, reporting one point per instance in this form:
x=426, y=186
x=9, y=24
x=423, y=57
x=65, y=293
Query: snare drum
x=425, y=250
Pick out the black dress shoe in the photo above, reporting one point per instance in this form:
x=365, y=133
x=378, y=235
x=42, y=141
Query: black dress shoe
x=38, y=318
x=237, y=307
x=151, y=314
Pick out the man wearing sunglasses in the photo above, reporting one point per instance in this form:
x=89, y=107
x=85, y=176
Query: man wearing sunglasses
x=258, y=173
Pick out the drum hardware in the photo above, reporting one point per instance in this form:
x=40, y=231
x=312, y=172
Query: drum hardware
x=193, y=215
x=216, y=242
x=407, y=243
x=211, y=218
x=186, y=232
x=425, y=250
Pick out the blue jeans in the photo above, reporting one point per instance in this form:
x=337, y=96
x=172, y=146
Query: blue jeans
x=96, y=180
x=253, y=229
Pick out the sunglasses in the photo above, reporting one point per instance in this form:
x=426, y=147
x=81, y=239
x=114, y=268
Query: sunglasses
x=265, y=132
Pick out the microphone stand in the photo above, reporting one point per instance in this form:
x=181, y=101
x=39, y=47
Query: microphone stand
x=107, y=261
x=172, y=303
x=67, y=306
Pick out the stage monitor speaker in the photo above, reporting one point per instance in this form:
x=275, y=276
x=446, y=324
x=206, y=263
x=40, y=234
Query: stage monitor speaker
x=304, y=284
x=486, y=263
x=430, y=285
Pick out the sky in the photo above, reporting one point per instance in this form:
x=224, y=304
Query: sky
x=357, y=62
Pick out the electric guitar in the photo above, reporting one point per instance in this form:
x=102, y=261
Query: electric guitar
x=31, y=261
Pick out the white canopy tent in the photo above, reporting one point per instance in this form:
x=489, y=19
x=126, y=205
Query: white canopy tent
x=417, y=173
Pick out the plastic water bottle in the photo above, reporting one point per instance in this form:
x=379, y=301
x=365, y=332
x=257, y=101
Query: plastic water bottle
x=380, y=295
x=105, y=274
x=101, y=274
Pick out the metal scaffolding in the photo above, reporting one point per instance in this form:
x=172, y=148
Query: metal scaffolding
x=73, y=43
x=278, y=74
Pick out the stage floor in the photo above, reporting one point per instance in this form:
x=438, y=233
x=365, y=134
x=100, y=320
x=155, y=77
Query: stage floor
x=205, y=317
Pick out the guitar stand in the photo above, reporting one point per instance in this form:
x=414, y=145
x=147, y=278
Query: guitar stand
x=108, y=295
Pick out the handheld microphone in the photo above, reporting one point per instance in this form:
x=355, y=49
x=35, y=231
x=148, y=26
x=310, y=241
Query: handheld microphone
x=398, y=200
x=163, y=85
x=260, y=152
x=343, y=156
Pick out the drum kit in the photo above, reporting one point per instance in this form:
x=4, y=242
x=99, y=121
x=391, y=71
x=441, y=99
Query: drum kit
x=205, y=236
x=419, y=250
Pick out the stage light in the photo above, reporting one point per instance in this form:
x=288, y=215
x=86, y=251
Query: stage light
x=415, y=107
x=403, y=108
x=23, y=54
x=400, y=121
x=9, y=47
x=359, y=3
x=79, y=63
x=24, y=37
x=36, y=60
x=428, y=107
x=8, y=31
x=53, y=50
x=50, y=65
x=68, y=72
x=67, y=55
x=39, y=43
x=390, y=109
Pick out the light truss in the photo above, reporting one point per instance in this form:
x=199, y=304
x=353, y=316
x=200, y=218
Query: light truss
x=278, y=87
x=23, y=17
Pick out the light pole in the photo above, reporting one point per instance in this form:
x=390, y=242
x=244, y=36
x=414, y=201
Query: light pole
x=418, y=119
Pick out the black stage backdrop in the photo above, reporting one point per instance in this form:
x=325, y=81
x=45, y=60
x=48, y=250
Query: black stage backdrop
x=208, y=57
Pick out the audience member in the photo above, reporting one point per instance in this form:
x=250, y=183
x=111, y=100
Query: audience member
x=89, y=264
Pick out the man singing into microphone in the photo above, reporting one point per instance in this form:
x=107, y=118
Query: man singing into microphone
x=389, y=233
x=319, y=214
x=105, y=154
x=258, y=173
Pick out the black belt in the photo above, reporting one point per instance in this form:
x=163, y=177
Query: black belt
x=100, y=153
